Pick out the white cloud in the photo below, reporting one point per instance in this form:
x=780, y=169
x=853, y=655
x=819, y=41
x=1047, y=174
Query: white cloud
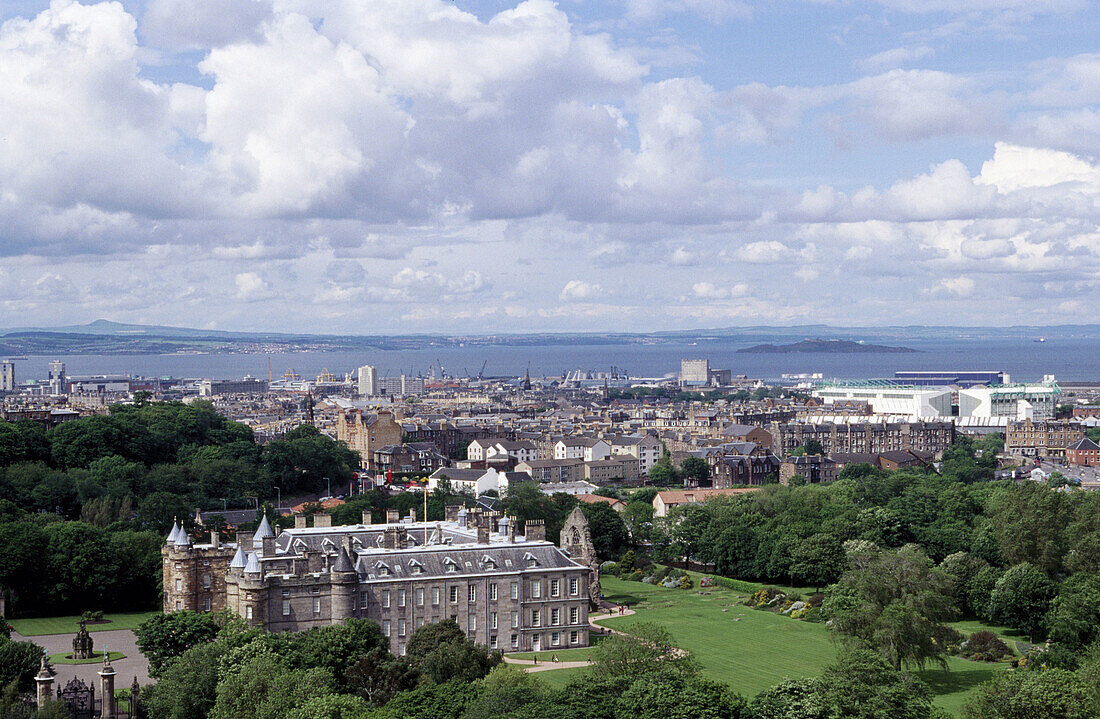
x=958, y=286
x=250, y=286
x=895, y=58
x=578, y=291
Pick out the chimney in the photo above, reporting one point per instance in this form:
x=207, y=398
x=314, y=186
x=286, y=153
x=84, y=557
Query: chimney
x=367, y=518
x=450, y=512
x=269, y=547
x=483, y=534
x=389, y=540
x=508, y=527
x=215, y=540
x=393, y=516
x=473, y=517
x=300, y=521
x=535, y=530
x=244, y=539
x=322, y=520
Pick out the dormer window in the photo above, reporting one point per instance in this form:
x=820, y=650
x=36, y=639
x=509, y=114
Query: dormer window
x=489, y=562
x=382, y=569
x=416, y=567
x=532, y=562
x=328, y=546
x=450, y=565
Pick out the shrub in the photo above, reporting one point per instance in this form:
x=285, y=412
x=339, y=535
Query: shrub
x=609, y=567
x=984, y=646
x=707, y=581
x=685, y=582
x=815, y=599
x=635, y=576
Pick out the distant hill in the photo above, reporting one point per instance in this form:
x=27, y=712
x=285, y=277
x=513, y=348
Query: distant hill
x=819, y=346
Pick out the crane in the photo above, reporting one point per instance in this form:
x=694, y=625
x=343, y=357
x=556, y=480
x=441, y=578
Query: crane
x=482, y=372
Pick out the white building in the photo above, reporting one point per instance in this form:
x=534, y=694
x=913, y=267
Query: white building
x=646, y=449
x=476, y=481
x=888, y=398
x=481, y=450
x=7, y=376
x=1014, y=401
x=583, y=448
x=368, y=381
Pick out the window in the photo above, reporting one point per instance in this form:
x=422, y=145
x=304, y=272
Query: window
x=472, y=624
x=206, y=581
x=419, y=622
x=471, y=593
x=555, y=616
x=493, y=592
x=386, y=598
x=206, y=604
x=493, y=641
x=515, y=641
x=574, y=615
x=286, y=592
x=515, y=590
x=435, y=596
x=536, y=590
x=574, y=636
x=400, y=597
x=536, y=618
x=385, y=628
x=286, y=608
x=492, y=620
x=574, y=586
x=400, y=627
x=554, y=640
x=247, y=612
x=179, y=584
x=316, y=605
x=554, y=587
x=401, y=650
x=515, y=619
x=362, y=600
x=454, y=595
x=451, y=566
x=420, y=596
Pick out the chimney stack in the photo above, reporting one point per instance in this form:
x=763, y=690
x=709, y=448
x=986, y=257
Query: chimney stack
x=268, y=547
x=389, y=540
x=367, y=518
x=450, y=512
x=322, y=520
x=393, y=516
x=535, y=530
x=483, y=534
x=215, y=540
x=300, y=521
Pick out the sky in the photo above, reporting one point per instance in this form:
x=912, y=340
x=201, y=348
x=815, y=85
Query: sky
x=469, y=166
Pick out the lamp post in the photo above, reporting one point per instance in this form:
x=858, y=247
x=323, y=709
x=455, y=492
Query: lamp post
x=279, y=490
x=329, y=486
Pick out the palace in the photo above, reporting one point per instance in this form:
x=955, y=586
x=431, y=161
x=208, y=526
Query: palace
x=507, y=591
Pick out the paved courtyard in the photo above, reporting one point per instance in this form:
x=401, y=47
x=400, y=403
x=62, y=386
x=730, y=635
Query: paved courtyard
x=119, y=640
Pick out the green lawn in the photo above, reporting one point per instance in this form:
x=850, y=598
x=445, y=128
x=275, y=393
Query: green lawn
x=566, y=655
x=1008, y=636
x=558, y=678
x=753, y=650
x=97, y=659
x=70, y=625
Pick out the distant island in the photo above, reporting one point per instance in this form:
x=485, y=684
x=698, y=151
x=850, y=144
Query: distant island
x=819, y=346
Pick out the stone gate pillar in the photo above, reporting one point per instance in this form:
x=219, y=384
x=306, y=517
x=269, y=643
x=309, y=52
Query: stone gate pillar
x=107, y=688
x=43, y=684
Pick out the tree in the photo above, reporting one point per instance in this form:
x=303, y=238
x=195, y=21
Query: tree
x=335, y=706
x=265, y=688
x=818, y=560
x=678, y=697
x=1021, y=598
x=433, y=701
x=694, y=468
x=378, y=676
x=861, y=685
x=1029, y=523
x=609, y=534
x=443, y=653
x=1074, y=616
x=337, y=648
x=814, y=446
x=19, y=662
x=163, y=637
x=646, y=650
x=896, y=603
x=1027, y=695
x=187, y=688
x=504, y=692
x=662, y=475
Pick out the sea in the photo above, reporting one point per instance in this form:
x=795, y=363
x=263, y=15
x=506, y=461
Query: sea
x=1068, y=359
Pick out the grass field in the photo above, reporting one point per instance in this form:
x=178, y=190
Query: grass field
x=566, y=655
x=753, y=650
x=97, y=659
x=70, y=625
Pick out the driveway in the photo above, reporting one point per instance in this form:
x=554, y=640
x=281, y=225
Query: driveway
x=118, y=640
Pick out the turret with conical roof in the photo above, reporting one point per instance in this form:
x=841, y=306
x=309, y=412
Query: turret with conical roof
x=172, y=535
x=262, y=532
x=239, y=559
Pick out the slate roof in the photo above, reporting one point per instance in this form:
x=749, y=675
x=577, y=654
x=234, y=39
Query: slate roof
x=1084, y=443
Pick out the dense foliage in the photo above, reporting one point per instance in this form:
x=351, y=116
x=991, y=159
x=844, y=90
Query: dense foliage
x=84, y=506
